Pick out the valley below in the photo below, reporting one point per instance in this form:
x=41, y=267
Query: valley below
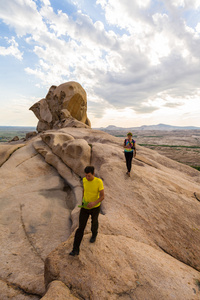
x=180, y=145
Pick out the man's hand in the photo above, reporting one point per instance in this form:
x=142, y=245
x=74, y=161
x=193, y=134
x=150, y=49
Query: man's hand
x=91, y=204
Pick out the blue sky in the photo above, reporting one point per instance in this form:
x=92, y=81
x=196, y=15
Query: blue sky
x=137, y=60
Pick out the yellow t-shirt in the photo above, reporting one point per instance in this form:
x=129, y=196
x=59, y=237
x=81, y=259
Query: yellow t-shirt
x=92, y=189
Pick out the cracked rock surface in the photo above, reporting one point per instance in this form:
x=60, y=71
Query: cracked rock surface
x=148, y=244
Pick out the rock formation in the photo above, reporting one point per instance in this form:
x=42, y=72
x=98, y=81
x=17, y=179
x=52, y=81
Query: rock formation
x=65, y=105
x=148, y=244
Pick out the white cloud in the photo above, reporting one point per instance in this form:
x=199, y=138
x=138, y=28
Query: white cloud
x=141, y=53
x=12, y=50
x=19, y=114
x=191, y=4
x=22, y=15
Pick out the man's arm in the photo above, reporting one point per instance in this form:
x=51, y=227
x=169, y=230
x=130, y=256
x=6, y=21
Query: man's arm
x=100, y=199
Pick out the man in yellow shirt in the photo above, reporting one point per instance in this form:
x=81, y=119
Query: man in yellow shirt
x=93, y=195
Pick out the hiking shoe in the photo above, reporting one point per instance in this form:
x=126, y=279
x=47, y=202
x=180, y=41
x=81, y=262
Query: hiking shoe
x=92, y=239
x=74, y=252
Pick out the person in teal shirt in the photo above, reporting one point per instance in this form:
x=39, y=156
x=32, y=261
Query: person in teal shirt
x=129, y=151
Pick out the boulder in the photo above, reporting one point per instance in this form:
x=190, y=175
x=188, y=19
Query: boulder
x=148, y=244
x=35, y=206
x=7, y=150
x=118, y=267
x=75, y=153
x=16, y=138
x=65, y=105
x=30, y=135
x=57, y=290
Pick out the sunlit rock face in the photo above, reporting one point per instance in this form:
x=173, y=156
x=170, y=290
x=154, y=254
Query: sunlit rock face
x=63, y=106
x=148, y=242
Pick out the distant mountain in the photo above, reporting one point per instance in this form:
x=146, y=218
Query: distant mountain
x=150, y=127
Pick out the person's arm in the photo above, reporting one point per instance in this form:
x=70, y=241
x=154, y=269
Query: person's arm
x=100, y=199
x=135, y=149
x=125, y=144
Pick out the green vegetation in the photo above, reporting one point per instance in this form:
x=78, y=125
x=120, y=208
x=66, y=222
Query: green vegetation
x=170, y=146
x=197, y=283
x=124, y=135
x=197, y=168
x=152, y=136
x=7, y=133
x=7, y=136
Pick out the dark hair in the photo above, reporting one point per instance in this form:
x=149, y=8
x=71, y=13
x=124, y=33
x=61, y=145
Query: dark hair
x=89, y=169
x=129, y=133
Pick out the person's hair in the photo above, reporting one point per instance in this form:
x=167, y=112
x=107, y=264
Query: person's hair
x=89, y=169
x=129, y=133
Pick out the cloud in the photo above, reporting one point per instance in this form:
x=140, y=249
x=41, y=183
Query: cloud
x=137, y=52
x=173, y=105
x=22, y=16
x=12, y=50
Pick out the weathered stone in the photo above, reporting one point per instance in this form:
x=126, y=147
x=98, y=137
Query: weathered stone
x=7, y=150
x=75, y=153
x=118, y=267
x=148, y=244
x=41, y=111
x=16, y=138
x=65, y=105
x=30, y=135
x=57, y=290
x=34, y=218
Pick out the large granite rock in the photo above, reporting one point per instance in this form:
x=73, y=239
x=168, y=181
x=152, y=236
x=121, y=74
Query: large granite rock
x=75, y=153
x=64, y=106
x=6, y=150
x=118, y=267
x=148, y=244
x=57, y=290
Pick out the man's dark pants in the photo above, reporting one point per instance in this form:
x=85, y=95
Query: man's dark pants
x=83, y=218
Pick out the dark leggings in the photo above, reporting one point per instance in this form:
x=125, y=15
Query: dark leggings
x=83, y=218
x=129, y=157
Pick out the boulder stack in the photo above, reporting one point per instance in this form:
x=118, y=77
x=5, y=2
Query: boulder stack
x=63, y=106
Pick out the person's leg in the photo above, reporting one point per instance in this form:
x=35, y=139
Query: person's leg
x=127, y=154
x=130, y=160
x=83, y=218
x=126, y=157
x=95, y=223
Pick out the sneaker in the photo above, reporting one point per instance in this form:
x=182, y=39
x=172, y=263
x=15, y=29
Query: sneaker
x=74, y=252
x=92, y=239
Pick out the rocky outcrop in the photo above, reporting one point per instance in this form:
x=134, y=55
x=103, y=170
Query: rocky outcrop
x=59, y=291
x=16, y=138
x=75, y=153
x=30, y=135
x=148, y=244
x=7, y=150
x=63, y=106
x=118, y=267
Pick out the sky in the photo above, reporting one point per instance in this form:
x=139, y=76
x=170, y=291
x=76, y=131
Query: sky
x=138, y=60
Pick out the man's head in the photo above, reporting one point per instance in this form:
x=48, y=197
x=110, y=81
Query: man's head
x=129, y=134
x=89, y=173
